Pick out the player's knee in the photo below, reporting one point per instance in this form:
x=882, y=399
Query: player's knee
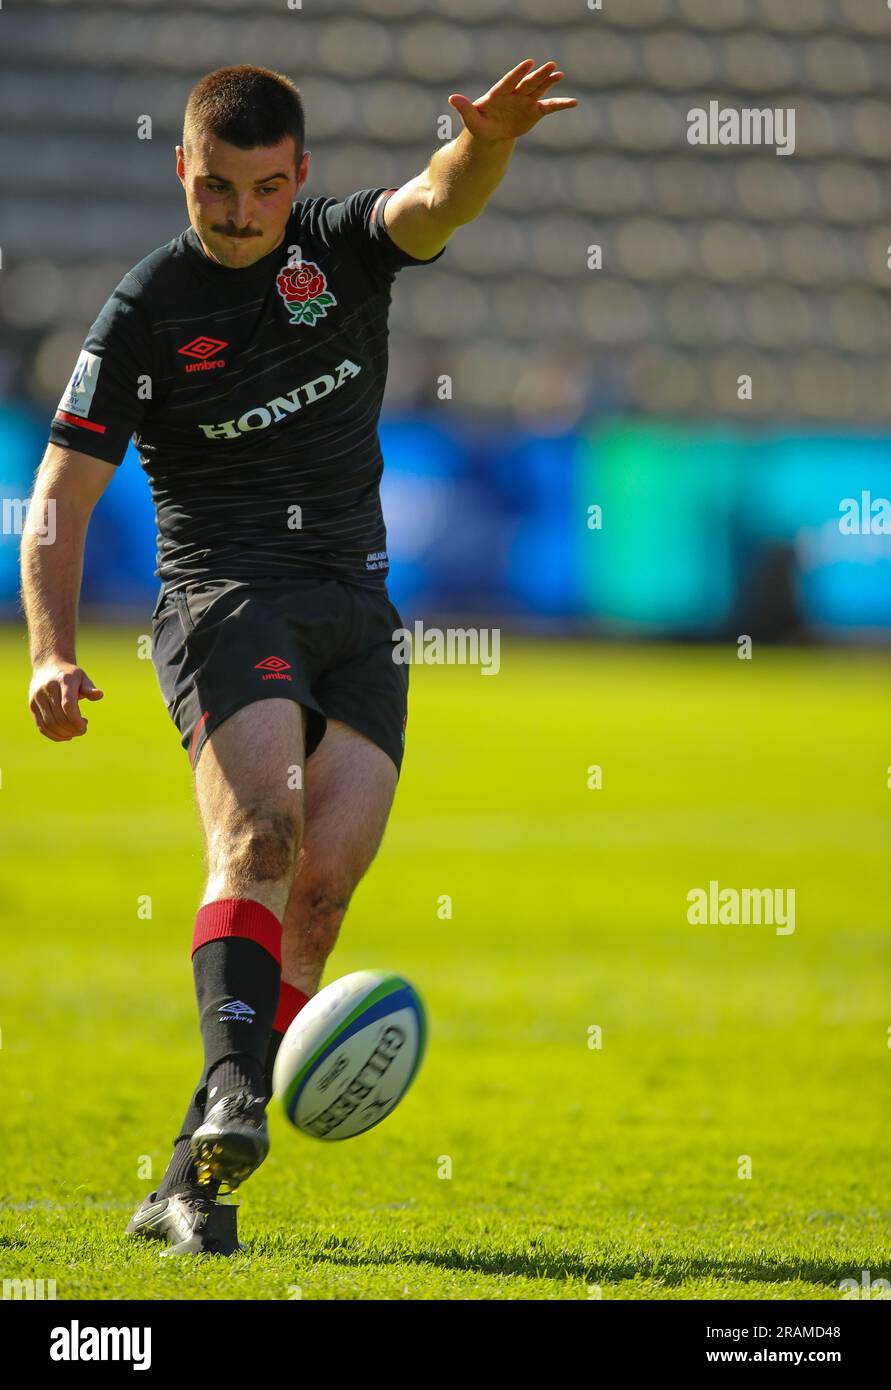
x=262, y=848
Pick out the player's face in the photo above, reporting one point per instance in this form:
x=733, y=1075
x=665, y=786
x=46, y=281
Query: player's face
x=239, y=201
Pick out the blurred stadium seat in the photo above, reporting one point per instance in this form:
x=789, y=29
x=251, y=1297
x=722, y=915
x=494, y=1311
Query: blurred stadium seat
x=711, y=255
x=570, y=385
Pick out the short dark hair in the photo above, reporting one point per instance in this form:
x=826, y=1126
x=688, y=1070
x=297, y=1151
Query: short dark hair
x=246, y=106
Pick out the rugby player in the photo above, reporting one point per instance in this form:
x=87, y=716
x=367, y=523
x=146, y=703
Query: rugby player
x=248, y=358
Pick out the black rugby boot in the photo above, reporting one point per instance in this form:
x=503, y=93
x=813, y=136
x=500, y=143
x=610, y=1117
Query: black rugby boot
x=233, y=1140
x=191, y=1222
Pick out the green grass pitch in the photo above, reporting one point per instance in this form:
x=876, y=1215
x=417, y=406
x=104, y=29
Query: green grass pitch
x=524, y=1163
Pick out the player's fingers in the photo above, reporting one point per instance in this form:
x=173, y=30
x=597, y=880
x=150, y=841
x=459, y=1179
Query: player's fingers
x=558, y=104
x=61, y=721
x=509, y=80
x=68, y=697
x=544, y=87
x=57, y=721
x=87, y=689
x=43, y=717
x=37, y=713
x=533, y=80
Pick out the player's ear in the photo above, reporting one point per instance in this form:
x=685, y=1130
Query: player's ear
x=303, y=170
x=180, y=163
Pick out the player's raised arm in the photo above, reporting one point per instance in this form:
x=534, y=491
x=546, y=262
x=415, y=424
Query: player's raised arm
x=461, y=177
x=66, y=489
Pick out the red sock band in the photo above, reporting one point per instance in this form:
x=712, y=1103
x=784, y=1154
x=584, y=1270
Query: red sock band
x=238, y=917
x=290, y=1002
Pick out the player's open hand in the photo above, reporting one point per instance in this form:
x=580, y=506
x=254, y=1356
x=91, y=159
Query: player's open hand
x=54, y=700
x=515, y=104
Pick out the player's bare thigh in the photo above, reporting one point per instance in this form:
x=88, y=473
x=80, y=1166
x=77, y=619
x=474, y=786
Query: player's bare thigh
x=350, y=784
x=248, y=789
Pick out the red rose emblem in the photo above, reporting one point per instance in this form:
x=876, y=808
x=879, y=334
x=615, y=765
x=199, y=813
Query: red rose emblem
x=301, y=282
x=304, y=289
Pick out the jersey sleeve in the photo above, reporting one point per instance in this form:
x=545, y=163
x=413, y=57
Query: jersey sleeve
x=359, y=221
x=109, y=390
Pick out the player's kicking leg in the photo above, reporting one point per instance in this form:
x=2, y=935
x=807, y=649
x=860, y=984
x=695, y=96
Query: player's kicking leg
x=251, y=809
x=350, y=784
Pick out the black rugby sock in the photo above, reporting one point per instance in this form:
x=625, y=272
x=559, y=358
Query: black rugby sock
x=231, y=1075
x=236, y=958
x=181, y=1171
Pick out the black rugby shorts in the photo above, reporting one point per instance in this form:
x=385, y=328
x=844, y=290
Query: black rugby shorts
x=220, y=644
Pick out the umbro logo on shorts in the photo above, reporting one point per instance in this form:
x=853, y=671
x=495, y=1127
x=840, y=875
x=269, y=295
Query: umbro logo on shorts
x=274, y=668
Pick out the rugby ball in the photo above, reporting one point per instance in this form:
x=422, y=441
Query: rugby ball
x=350, y=1055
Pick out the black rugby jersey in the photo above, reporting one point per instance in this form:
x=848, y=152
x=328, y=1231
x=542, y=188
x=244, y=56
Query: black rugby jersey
x=252, y=395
